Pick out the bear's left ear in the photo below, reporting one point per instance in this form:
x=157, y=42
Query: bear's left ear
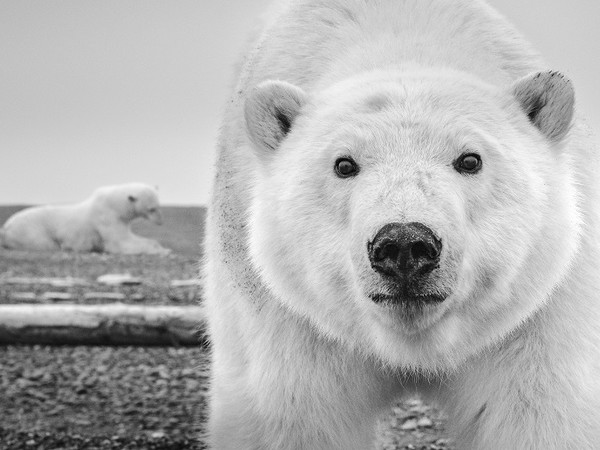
x=548, y=100
x=270, y=111
x=132, y=198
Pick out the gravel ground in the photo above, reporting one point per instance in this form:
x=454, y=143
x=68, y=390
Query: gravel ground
x=101, y=397
x=57, y=441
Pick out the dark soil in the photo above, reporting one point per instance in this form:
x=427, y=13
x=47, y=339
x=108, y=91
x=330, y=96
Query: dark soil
x=57, y=441
x=101, y=397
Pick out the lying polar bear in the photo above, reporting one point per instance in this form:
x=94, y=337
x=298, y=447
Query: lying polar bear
x=101, y=223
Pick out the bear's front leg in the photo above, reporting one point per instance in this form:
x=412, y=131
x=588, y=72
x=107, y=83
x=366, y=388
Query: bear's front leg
x=278, y=385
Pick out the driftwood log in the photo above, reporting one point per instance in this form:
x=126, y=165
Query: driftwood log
x=109, y=324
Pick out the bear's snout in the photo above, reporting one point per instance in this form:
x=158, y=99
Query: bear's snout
x=404, y=251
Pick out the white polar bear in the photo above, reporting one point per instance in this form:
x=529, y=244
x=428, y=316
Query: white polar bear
x=100, y=223
x=403, y=203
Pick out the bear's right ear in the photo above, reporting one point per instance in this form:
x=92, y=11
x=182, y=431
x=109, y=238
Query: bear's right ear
x=270, y=111
x=548, y=100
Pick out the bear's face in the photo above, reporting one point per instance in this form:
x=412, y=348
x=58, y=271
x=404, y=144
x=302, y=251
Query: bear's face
x=144, y=202
x=415, y=217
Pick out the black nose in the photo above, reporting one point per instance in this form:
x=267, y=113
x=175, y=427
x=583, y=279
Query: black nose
x=403, y=250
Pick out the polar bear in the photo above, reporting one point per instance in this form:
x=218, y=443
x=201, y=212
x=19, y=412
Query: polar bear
x=100, y=223
x=405, y=202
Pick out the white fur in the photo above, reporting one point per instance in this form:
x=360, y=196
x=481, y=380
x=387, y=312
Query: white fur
x=99, y=223
x=302, y=357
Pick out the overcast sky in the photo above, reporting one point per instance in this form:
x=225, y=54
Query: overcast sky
x=96, y=92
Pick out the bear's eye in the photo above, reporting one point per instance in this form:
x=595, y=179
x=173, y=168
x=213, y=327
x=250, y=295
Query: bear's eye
x=346, y=167
x=468, y=163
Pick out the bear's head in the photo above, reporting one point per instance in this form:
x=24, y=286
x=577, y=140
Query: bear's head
x=143, y=201
x=415, y=216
